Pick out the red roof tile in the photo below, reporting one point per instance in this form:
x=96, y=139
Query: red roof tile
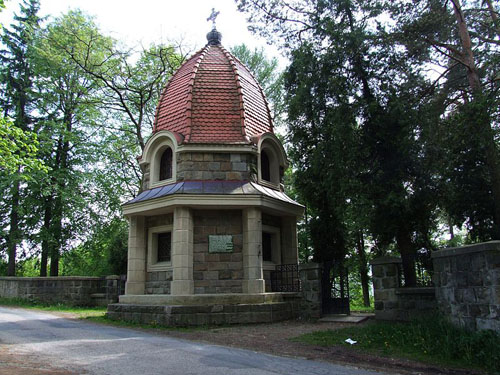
x=213, y=98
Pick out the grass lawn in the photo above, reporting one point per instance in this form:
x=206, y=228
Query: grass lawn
x=81, y=312
x=432, y=340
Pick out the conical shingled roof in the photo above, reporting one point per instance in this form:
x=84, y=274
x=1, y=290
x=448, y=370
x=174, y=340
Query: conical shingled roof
x=213, y=98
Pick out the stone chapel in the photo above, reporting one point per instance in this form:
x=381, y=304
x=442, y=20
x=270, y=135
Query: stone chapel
x=212, y=222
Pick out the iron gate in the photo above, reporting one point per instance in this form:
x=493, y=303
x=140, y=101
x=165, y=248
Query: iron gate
x=335, y=289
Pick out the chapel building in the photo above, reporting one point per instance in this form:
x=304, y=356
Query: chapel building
x=212, y=219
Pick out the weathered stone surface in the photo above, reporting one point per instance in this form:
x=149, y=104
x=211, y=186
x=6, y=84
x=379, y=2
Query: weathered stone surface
x=78, y=291
x=217, y=272
x=214, y=166
x=467, y=284
x=196, y=315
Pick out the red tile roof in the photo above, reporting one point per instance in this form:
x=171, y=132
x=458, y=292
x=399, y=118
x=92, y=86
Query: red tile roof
x=213, y=98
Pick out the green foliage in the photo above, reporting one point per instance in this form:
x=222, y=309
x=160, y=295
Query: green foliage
x=105, y=253
x=267, y=74
x=432, y=340
x=18, y=150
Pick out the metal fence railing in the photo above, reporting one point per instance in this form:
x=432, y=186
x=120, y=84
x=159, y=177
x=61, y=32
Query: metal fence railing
x=285, y=278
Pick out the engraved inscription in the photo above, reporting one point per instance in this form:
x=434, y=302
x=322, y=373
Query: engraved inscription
x=220, y=244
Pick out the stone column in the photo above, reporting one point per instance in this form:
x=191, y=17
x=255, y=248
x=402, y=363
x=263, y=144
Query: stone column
x=289, y=247
x=253, y=280
x=182, y=252
x=310, y=277
x=136, y=268
x=385, y=271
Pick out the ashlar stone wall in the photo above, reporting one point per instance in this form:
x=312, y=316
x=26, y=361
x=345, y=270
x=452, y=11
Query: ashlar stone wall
x=217, y=272
x=393, y=302
x=70, y=290
x=467, y=281
x=215, y=166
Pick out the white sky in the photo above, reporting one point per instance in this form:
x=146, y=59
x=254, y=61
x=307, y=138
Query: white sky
x=145, y=21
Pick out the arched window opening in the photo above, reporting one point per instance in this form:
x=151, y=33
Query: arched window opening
x=265, y=169
x=166, y=164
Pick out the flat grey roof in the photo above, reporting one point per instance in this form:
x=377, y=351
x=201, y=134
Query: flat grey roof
x=212, y=187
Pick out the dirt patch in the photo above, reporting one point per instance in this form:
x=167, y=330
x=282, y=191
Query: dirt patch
x=275, y=339
x=26, y=364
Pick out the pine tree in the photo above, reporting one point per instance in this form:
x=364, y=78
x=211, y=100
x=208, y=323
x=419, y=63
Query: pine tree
x=16, y=101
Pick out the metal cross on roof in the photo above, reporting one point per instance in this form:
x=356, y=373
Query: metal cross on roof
x=213, y=16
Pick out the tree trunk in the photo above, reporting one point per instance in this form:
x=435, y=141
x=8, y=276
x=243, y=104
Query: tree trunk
x=62, y=156
x=47, y=240
x=363, y=269
x=13, y=237
x=407, y=252
x=483, y=119
x=57, y=236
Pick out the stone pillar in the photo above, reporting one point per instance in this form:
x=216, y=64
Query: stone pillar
x=182, y=252
x=136, y=268
x=385, y=271
x=310, y=276
x=289, y=246
x=253, y=280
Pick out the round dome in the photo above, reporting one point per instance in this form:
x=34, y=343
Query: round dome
x=213, y=98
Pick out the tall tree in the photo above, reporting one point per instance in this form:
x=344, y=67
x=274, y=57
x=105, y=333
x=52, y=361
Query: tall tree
x=16, y=77
x=69, y=112
x=353, y=122
x=461, y=43
x=130, y=90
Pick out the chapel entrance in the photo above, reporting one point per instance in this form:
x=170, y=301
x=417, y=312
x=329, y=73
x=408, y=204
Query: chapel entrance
x=335, y=289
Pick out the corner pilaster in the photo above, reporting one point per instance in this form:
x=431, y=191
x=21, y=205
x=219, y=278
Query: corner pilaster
x=253, y=280
x=136, y=268
x=182, y=252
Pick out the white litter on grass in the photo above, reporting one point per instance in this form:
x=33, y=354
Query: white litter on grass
x=350, y=341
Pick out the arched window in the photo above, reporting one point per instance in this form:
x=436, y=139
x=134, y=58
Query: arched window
x=166, y=164
x=265, y=168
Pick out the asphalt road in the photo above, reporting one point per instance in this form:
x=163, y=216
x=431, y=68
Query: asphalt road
x=86, y=348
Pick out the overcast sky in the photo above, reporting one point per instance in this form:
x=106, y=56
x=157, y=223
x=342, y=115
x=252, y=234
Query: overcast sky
x=146, y=21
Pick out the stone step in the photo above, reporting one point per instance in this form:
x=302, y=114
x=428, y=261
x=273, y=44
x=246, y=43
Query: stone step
x=196, y=315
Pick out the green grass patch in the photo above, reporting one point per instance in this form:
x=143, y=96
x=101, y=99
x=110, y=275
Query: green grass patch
x=81, y=312
x=433, y=340
x=354, y=307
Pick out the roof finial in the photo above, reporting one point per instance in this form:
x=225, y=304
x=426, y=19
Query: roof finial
x=212, y=17
x=213, y=37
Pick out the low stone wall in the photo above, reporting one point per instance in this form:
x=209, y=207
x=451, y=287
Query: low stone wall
x=467, y=281
x=71, y=290
x=393, y=302
x=466, y=287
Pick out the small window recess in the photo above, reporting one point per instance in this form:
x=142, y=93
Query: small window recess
x=159, y=248
x=269, y=168
x=166, y=165
x=163, y=166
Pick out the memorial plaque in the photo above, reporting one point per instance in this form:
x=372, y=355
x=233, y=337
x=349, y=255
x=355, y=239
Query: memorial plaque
x=220, y=244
